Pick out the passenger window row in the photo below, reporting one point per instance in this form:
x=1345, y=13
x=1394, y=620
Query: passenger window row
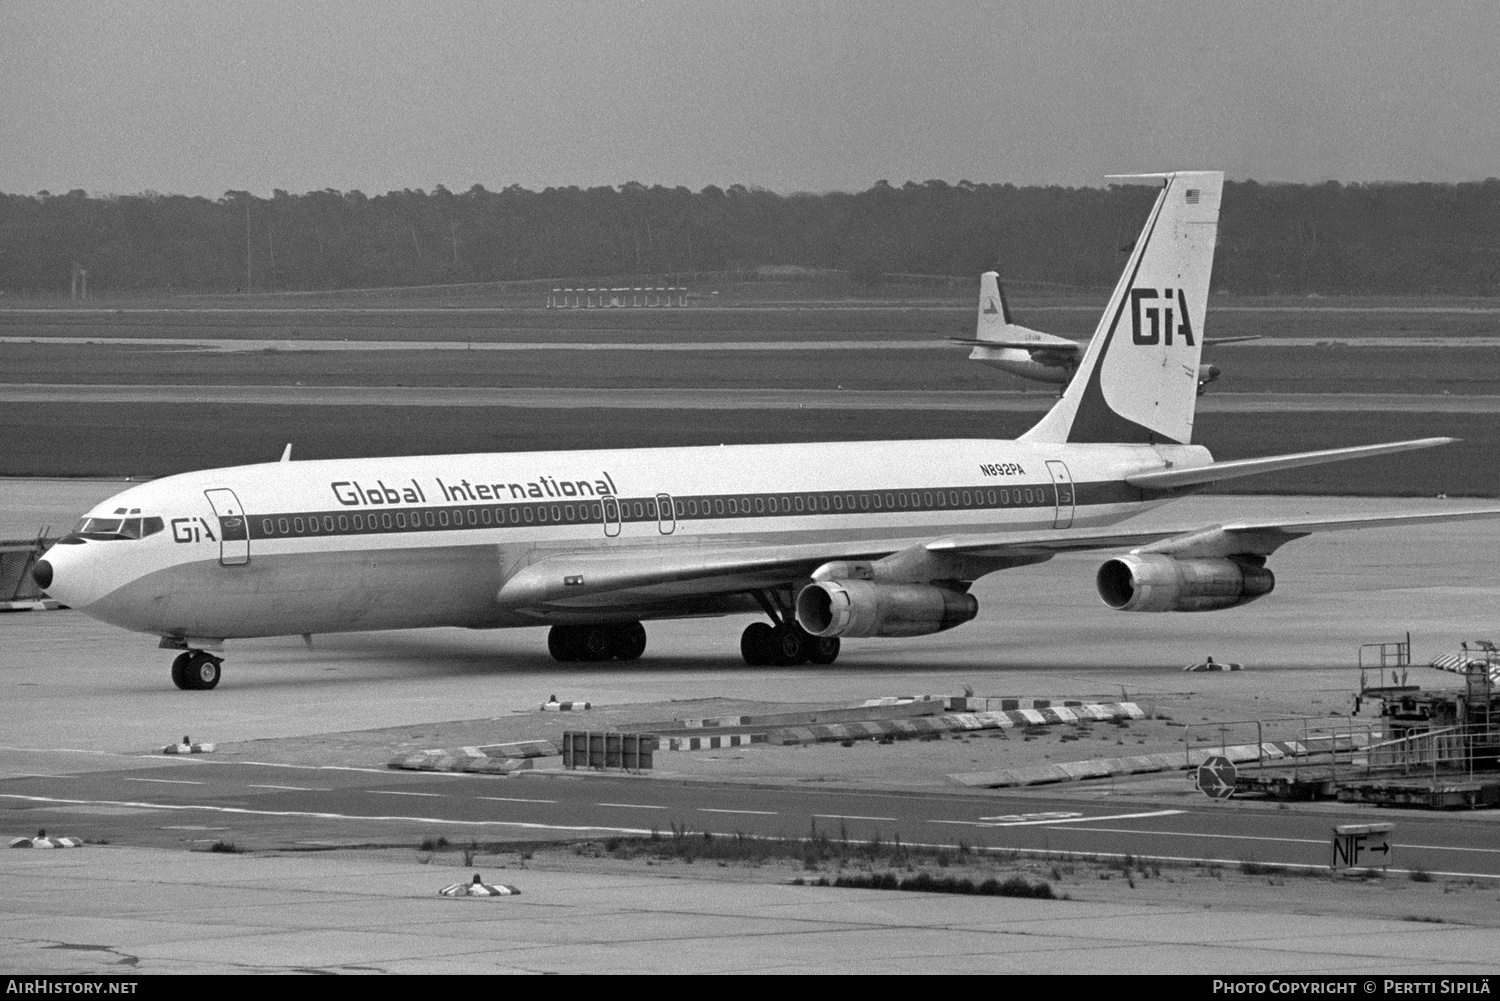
x=632, y=510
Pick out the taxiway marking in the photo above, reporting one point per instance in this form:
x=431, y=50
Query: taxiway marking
x=635, y=806
x=397, y=792
x=515, y=799
x=1195, y=834
x=289, y=788
x=757, y=813
x=847, y=816
x=175, y=782
x=241, y=811
x=1074, y=819
x=1445, y=848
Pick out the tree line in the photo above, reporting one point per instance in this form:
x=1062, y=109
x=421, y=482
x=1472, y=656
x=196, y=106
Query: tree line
x=1333, y=238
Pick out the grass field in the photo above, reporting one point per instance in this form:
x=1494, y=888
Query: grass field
x=158, y=439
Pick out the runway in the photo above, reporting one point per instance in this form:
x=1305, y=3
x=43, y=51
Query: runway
x=244, y=345
x=572, y=398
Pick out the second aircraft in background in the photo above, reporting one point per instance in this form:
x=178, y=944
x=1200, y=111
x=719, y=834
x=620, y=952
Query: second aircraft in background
x=1030, y=354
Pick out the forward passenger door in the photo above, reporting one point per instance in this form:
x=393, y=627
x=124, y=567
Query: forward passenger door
x=234, y=527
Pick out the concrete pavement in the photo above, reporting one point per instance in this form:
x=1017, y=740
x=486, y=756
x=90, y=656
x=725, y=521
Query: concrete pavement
x=117, y=910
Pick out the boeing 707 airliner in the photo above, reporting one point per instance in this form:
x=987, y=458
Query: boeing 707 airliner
x=829, y=540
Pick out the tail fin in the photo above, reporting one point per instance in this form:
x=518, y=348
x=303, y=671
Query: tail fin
x=994, y=313
x=995, y=325
x=1138, y=381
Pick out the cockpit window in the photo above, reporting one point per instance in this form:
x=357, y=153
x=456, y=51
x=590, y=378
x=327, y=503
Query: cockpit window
x=102, y=529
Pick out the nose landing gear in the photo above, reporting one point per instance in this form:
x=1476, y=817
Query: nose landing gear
x=196, y=670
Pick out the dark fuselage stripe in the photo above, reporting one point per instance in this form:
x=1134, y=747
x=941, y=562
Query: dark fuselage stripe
x=688, y=508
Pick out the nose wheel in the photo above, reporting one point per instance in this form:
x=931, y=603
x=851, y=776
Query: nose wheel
x=196, y=670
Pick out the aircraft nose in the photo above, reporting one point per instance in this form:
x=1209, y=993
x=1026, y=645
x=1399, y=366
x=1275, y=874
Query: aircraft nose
x=42, y=574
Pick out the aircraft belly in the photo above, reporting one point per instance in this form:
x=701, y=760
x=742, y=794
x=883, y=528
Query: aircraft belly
x=291, y=593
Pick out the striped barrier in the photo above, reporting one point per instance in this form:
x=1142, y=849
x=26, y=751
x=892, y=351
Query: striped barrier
x=970, y=703
x=1457, y=663
x=188, y=747
x=1142, y=764
x=712, y=743
x=31, y=605
x=496, y=759
x=896, y=710
x=478, y=888
x=950, y=722
x=42, y=841
x=563, y=707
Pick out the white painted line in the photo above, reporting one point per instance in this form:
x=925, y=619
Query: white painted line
x=515, y=799
x=1084, y=820
x=68, y=750
x=289, y=788
x=847, y=816
x=397, y=792
x=175, y=782
x=1072, y=819
x=241, y=811
x=1256, y=837
x=634, y=806
x=1195, y=834
x=1442, y=848
x=1033, y=816
x=757, y=813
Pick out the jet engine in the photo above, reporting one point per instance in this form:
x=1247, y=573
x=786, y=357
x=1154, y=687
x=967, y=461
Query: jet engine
x=866, y=608
x=1152, y=582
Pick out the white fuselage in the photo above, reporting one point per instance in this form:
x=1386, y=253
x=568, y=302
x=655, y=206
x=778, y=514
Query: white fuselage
x=357, y=544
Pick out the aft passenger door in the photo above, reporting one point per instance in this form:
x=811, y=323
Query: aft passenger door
x=234, y=528
x=1062, y=484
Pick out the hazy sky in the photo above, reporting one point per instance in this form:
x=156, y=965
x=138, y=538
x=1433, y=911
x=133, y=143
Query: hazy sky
x=202, y=97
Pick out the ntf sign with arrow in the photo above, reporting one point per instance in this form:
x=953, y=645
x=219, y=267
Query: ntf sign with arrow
x=1357, y=845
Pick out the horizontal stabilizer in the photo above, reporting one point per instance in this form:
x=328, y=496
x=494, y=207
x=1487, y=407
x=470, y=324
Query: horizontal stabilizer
x=1159, y=479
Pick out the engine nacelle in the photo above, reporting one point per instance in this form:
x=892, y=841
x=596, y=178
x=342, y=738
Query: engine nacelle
x=865, y=608
x=1152, y=582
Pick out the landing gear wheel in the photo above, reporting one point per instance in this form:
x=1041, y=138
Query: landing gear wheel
x=629, y=641
x=563, y=643
x=180, y=671
x=755, y=644
x=821, y=649
x=197, y=670
x=787, y=644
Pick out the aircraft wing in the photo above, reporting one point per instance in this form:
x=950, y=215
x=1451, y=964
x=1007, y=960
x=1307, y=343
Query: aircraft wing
x=1259, y=538
x=589, y=577
x=1058, y=347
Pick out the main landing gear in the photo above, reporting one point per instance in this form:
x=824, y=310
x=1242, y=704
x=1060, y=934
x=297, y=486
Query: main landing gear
x=617, y=640
x=783, y=642
x=196, y=670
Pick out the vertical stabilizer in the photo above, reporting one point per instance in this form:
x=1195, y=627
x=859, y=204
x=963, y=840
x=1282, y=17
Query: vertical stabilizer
x=1138, y=381
x=994, y=314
